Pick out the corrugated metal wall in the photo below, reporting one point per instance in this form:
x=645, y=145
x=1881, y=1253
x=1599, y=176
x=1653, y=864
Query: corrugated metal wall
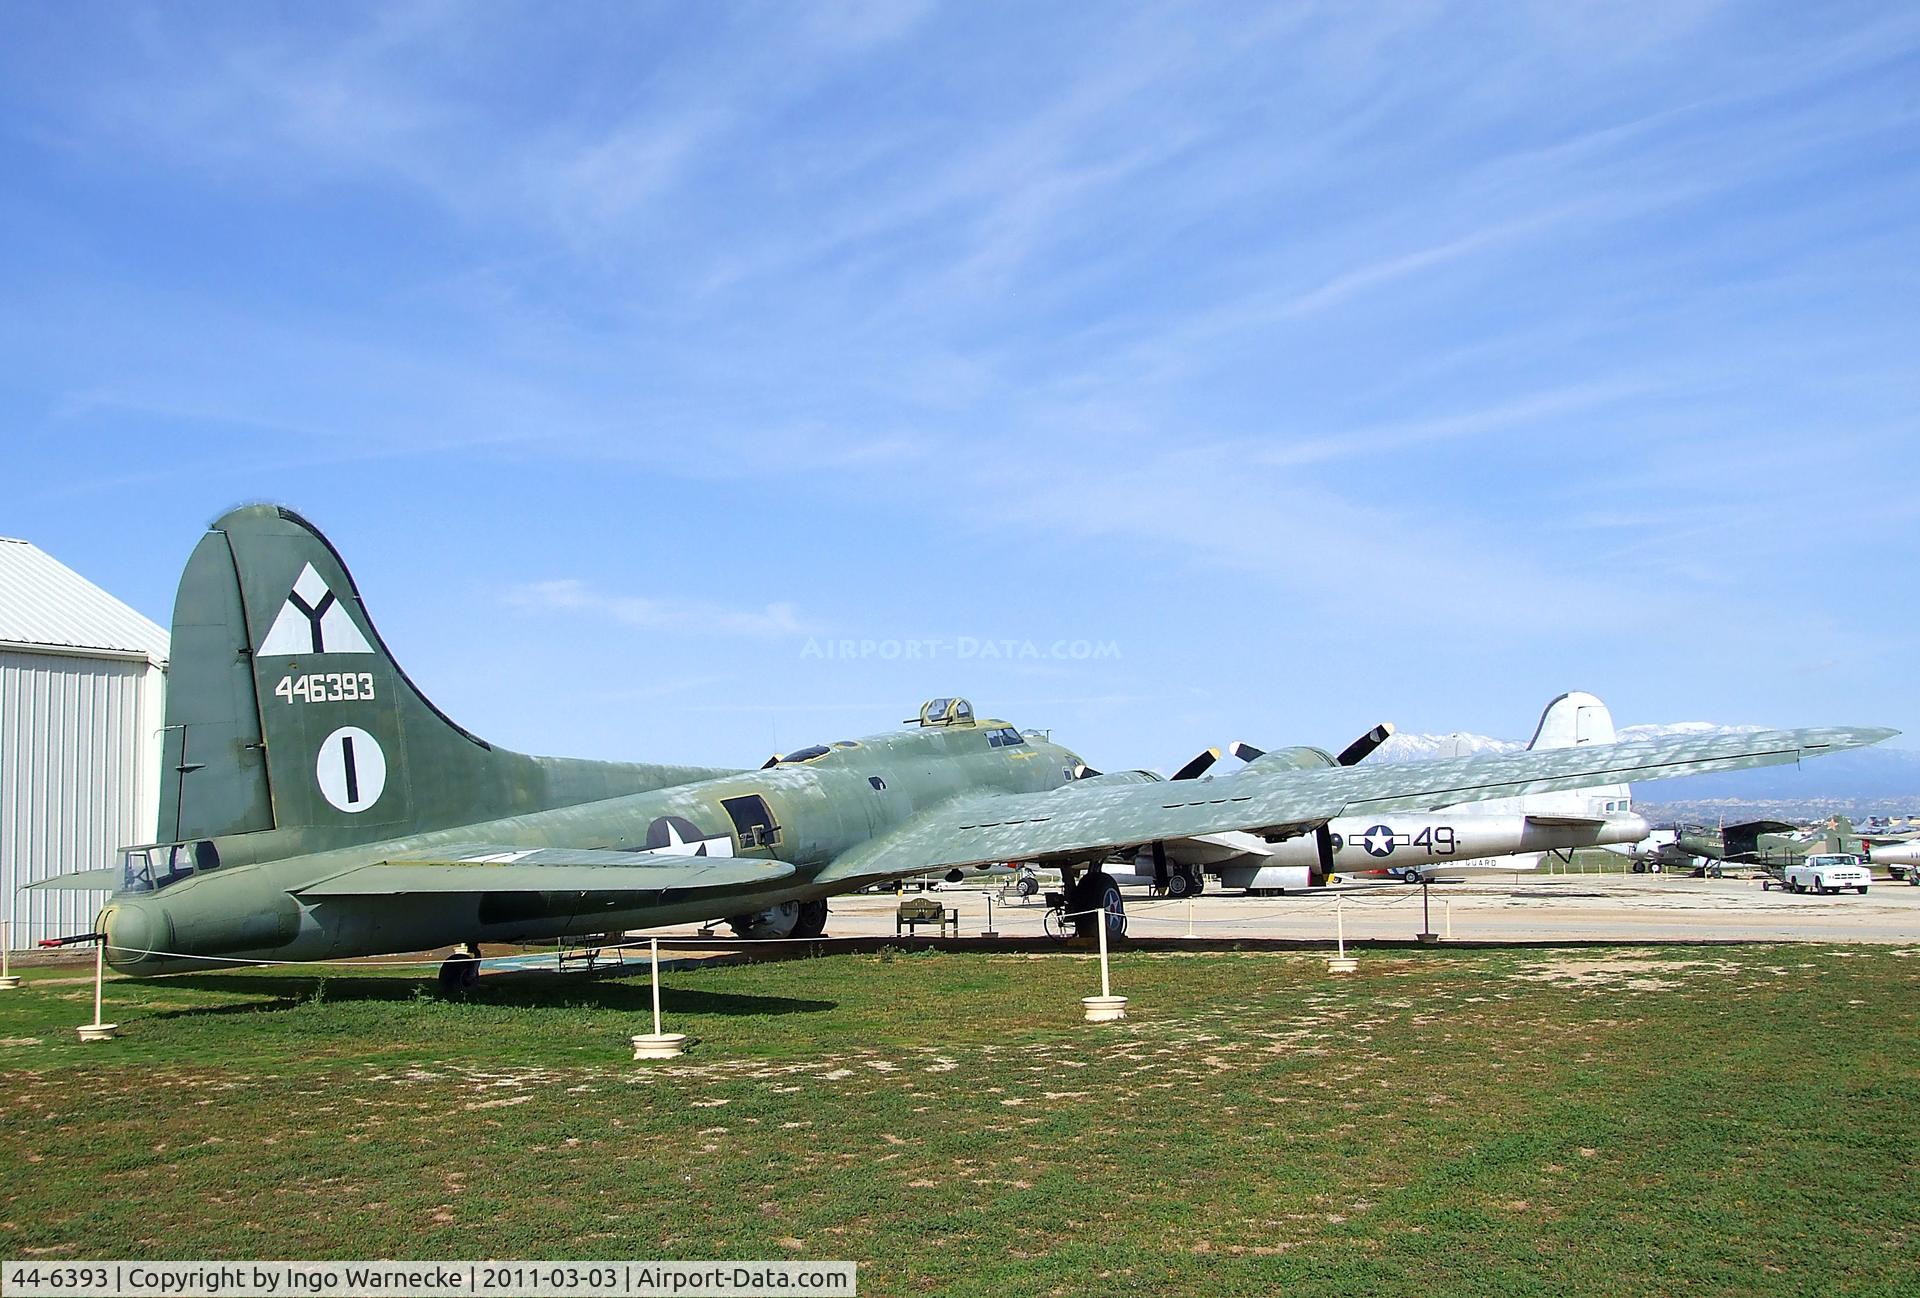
x=73, y=741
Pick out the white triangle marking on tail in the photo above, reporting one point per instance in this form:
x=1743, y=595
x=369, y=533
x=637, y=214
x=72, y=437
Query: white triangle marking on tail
x=313, y=621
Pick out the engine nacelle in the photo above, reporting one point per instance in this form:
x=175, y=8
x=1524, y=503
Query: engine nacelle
x=1114, y=778
x=1267, y=878
x=1300, y=757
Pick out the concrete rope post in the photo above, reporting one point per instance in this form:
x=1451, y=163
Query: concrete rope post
x=1106, y=1007
x=1340, y=963
x=658, y=1044
x=8, y=981
x=96, y=1030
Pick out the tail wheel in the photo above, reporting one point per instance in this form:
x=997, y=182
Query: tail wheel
x=813, y=919
x=460, y=973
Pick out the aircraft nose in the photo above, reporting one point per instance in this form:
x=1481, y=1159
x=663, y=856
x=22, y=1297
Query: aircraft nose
x=135, y=930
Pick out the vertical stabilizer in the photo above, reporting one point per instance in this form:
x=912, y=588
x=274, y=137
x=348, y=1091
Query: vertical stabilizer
x=286, y=712
x=1574, y=719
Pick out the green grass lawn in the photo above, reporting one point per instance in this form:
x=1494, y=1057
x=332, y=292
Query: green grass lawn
x=1722, y=1120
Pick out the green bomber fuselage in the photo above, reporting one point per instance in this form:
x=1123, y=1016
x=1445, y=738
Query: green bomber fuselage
x=804, y=813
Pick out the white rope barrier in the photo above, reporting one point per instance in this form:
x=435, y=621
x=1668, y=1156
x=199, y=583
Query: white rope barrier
x=1139, y=913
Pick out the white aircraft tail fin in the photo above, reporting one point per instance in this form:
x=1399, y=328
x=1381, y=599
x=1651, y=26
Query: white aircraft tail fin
x=1574, y=719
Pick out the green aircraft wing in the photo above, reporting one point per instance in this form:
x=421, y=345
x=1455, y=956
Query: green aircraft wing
x=482, y=868
x=1078, y=823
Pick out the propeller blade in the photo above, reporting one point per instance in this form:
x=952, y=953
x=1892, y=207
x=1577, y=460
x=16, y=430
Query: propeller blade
x=1194, y=769
x=1245, y=751
x=1323, y=841
x=1365, y=744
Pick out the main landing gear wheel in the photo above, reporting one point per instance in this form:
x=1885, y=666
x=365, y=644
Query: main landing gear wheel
x=461, y=971
x=1098, y=892
x=813, y=919
x=1179, y=884
x=773, y=922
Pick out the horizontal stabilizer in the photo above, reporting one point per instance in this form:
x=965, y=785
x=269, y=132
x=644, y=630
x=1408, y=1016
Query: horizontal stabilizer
x=106, y=879
x=548, y=870
x=1752, y=827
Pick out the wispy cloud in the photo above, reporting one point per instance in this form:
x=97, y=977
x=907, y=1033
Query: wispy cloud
x=572, y=595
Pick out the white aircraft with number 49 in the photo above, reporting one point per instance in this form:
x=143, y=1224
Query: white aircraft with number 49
x=1507, y=833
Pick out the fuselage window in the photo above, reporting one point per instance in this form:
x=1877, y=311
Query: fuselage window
x=752, y=821
x=878, y=784
x=1004, y=737
x=805, y=754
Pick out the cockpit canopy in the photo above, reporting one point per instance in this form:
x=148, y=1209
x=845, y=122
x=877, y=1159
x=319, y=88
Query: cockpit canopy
x=812, y=752
x=946, y=712
x=152, y=866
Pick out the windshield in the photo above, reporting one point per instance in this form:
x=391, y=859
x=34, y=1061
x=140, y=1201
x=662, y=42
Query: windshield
x=1830, y=860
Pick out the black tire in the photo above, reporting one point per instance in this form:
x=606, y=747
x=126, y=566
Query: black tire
x=459, y=973
x=1653, y=867
x=1179, y=884
x=1639, y=867
x=769, y=924
x=1027, y=886
x=1863, y=890
x=1098, y=892
x=813, y=919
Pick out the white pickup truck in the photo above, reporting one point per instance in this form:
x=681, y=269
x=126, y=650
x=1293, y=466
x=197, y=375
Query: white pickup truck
x=1826, y=872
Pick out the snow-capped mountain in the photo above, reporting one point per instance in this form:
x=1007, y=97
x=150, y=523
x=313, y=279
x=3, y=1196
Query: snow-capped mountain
x=1416, y=748
x=1883, y=774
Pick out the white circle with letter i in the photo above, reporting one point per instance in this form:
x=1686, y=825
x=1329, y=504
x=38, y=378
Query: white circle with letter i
x=351, y=769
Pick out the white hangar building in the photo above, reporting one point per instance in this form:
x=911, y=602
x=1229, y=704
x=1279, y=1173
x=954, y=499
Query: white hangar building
x=82, y=700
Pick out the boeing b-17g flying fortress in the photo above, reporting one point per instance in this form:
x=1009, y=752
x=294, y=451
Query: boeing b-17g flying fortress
x=317, y=805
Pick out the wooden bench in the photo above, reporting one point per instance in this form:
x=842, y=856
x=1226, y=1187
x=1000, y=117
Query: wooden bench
x=916, y=911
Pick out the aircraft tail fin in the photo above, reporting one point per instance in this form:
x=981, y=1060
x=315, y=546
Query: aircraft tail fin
x=1574, y=719
x=286, y=712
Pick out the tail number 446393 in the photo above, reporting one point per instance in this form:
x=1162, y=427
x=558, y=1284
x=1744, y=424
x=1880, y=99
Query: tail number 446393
x=326, y=687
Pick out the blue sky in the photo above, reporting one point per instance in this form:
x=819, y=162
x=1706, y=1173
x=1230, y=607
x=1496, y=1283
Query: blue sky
x=1305, y=366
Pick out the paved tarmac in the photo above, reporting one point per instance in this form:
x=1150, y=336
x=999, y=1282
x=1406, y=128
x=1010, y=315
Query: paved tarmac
x=1500, y=907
